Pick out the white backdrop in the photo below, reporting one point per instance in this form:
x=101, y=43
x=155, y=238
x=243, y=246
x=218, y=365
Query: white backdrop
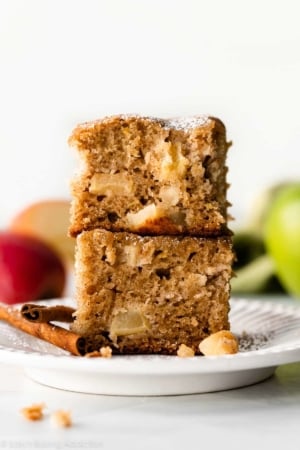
x=67, y=61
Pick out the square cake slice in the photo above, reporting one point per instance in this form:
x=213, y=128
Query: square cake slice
x=149, y=294
x=151, y=176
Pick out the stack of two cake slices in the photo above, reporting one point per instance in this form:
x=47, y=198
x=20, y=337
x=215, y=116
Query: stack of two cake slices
x=154, y=254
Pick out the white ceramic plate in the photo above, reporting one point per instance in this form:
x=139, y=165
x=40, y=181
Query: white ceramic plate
x=273, y=338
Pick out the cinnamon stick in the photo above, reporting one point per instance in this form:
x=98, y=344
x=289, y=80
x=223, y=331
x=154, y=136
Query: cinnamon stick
x=65, y=339
x=43, y=314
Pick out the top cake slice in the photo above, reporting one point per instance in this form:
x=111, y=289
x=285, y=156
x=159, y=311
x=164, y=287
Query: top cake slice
x=151, y=176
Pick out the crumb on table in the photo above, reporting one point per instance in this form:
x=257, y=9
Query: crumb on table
x=62, y=418
x=33, y=412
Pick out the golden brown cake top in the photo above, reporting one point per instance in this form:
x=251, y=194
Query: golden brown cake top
x=185, y=124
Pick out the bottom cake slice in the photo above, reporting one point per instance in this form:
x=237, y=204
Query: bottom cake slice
x=151, y=294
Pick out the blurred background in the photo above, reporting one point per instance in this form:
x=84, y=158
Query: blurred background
x=67, y=61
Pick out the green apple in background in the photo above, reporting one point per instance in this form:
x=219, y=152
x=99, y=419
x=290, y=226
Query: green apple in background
x=282, y=235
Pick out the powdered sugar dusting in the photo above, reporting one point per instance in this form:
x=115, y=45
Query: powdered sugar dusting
x=186, y=123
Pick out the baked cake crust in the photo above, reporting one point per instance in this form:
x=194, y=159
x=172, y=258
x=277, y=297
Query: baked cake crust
x=151, y=294
x=151, y=176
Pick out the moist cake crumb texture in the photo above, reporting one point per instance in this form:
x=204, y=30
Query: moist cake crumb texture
x=154, y=252
x=150, y=294
x=151, y=176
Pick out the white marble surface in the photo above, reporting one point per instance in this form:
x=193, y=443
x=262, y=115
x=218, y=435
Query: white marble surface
x=263, y=416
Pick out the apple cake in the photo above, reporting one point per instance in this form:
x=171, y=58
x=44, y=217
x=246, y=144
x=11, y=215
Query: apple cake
x=149, y=294
x=151, y=176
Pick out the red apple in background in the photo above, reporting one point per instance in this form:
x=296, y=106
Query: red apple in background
x=47, y=220
x=29, y=269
